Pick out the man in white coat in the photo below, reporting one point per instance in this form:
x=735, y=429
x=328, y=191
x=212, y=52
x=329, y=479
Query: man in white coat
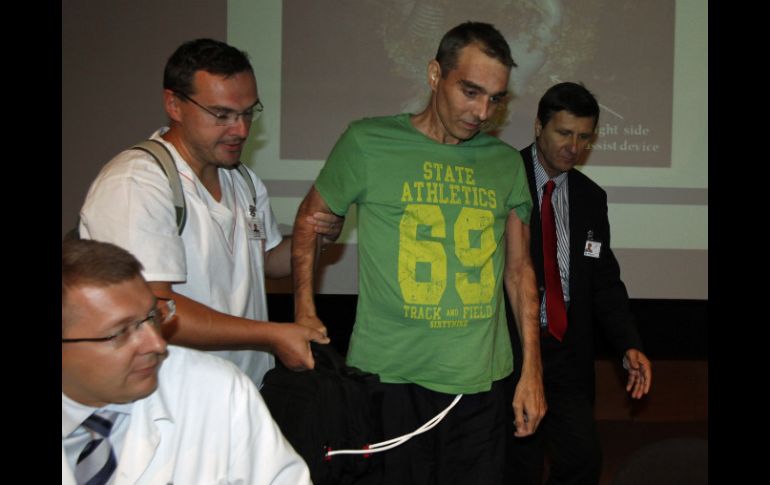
x=215, y=269
x=135, y=410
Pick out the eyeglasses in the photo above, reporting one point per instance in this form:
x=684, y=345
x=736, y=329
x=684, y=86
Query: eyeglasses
x=227, y=117
x=163, y=312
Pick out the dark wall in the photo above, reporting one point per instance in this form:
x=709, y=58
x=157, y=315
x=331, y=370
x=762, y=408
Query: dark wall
x=670, y=329
x=113, y=54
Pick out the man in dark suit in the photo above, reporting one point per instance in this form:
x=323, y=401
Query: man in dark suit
x=586, y=288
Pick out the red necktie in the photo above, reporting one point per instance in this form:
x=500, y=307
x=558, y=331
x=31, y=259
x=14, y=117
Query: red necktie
x=554, y=298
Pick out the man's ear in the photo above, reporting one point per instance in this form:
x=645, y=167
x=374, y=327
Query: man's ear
x=434, y=74
x=171, y=104
x=538, y=127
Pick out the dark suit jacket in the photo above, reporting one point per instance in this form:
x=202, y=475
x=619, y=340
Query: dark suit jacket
x=597, y=295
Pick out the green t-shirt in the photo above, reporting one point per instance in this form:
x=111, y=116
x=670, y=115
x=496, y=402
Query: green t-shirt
x=431, y=251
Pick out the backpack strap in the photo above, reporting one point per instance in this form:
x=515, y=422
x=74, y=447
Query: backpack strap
x=165, y=160
x=242, y=170
x=163, y=157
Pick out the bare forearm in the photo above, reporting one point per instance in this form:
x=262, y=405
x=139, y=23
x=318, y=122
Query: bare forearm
x=303, y=255
x=521, y=287
x=522, y=293
x=278, y=259
x=201, y=327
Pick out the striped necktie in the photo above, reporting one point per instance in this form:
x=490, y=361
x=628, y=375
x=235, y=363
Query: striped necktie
x=97, y=462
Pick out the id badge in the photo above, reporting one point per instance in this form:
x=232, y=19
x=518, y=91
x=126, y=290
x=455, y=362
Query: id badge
x=592, y=248
x=255, y=224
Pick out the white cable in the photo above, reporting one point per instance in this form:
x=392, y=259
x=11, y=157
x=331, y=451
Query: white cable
x=392, y=443
x=431, y=423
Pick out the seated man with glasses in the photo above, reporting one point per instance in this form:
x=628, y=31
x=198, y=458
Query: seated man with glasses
x=215, y=269
x=137, y=409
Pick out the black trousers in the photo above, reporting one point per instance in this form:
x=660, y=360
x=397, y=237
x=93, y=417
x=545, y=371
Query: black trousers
x=567, y=433
x=468, y=447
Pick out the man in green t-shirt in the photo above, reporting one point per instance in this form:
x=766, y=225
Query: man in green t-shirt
x=443, y=213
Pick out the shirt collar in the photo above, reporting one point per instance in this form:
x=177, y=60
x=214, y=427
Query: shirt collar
x=74, y=413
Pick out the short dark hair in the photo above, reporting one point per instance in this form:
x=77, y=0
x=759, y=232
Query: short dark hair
x=567, y=96
x=208, y=55
x=490, y=40
x=89, y=262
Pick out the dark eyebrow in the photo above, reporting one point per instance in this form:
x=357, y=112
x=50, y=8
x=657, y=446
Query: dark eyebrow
x=230, y=110
x=469, y=84
x=571, y=132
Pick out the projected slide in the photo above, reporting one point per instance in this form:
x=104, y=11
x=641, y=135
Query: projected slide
x=377, y=60
x=323, y=63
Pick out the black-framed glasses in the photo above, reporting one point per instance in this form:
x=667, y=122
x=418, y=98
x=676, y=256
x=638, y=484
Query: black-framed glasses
x=227, y=117
x=164, y=310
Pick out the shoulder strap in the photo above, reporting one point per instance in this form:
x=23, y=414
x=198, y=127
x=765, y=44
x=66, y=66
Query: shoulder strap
x=245, y=173
x=163, y=158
